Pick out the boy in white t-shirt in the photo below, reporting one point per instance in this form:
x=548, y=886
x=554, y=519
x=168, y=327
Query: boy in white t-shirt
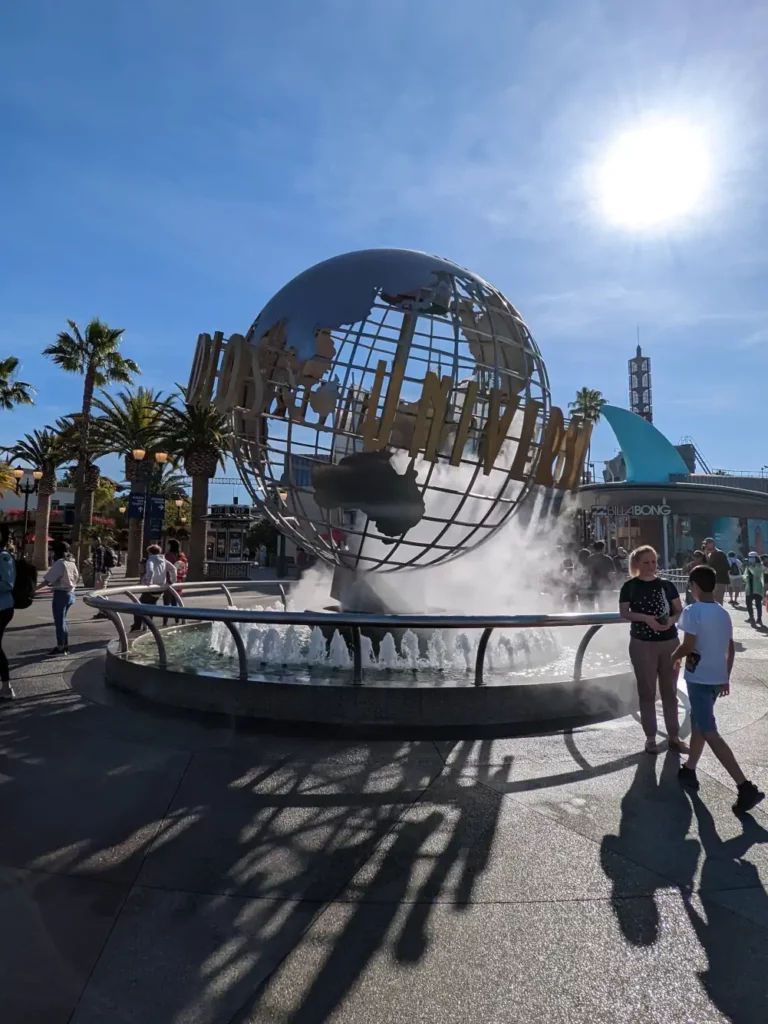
x=709, y=652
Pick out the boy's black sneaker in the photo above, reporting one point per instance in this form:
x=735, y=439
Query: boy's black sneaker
x=749, y=797
x=688, y=777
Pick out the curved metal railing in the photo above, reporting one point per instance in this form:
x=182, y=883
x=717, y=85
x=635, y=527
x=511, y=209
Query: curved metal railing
x=354, y=621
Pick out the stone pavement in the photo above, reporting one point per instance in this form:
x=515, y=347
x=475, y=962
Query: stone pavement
x=160, y=869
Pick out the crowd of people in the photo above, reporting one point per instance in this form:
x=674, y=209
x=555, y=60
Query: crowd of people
x=62, y=579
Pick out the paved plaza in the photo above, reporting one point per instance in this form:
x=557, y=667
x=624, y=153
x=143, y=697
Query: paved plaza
x=163, y=869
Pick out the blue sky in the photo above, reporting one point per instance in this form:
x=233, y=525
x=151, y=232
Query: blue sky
x=168, y=165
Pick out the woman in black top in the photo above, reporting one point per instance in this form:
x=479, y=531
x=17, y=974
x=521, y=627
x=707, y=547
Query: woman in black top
x=653, y=607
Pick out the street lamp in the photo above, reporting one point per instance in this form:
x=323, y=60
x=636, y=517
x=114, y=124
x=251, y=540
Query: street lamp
x=121, y=510
x=178, y=502
x=280, y=568
x=29, y=487
x=138, y=454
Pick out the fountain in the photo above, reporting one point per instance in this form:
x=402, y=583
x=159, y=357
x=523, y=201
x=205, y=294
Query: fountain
x=390, y=412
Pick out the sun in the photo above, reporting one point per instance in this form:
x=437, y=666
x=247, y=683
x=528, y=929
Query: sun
x=653, y=175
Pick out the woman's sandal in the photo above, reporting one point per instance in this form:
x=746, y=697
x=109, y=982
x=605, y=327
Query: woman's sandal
x=651, y=746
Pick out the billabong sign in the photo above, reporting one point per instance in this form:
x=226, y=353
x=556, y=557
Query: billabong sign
x=632, y=510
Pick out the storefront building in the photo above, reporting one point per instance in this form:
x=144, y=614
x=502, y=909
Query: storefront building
x=660, y=502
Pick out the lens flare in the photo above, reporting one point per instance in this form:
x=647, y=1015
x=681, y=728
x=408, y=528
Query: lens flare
x=654, y=175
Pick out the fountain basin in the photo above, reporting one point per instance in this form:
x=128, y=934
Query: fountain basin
x=322, y=696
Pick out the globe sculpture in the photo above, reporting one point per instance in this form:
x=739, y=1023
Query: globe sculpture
x=390, y=410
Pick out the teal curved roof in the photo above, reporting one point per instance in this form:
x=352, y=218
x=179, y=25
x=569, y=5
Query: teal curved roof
x=649, y=456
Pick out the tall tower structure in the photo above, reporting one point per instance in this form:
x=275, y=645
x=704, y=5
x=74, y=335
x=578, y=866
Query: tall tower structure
x=640, y=391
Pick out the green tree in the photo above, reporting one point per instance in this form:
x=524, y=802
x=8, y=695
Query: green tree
x=128, y=422
x=588, y=405
x=94, y=356
x=13, y=392
x=45, y=450
x=197, y=436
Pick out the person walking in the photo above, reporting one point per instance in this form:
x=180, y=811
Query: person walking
x=653, y=606
x=103, y=562
x=7, y=581
x=709, y=653
x=697, y=558
x=157, y=572
x=735, y=582
x=717, y=560
x=601, y=570
x=176, y=557
x=754, y=588
x=62, y=578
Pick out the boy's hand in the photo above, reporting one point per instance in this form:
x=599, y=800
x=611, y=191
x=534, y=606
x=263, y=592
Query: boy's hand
x=725, y=690
x=677, y=664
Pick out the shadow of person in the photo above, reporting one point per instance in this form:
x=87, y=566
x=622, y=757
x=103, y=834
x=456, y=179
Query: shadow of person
x=736, y=979
x=655, y=818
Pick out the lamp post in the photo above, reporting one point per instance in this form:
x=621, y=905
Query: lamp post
x=178, y=503
x=280, y=568
x=150, y=467
x=27, y=488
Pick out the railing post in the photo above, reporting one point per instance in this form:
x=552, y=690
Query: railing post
x=481, y=647
x=581, y=651
x=228, y=596
x=241, y=657
x=162, y=657
x=357, y=657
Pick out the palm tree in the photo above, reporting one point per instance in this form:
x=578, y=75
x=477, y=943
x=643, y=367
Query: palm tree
x=7, y=479
x=13, y=392
x=44, y=450
x=588, y=405
x=197, y=435
x=129, y=421
x=68, y=428
x=96, y=358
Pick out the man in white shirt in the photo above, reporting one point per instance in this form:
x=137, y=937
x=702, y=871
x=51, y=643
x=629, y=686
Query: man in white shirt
x=709, y=652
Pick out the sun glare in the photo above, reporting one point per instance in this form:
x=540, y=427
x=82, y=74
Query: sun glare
x=653, y=175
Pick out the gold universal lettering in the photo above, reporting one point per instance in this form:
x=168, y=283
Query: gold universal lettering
x=562, y=452
x=576, y=445
x=430, y=418
x=376, y=434
x=465, y=422
x=234, y=372
x=530, y=415
x=376, y=431
x=204, y=368
x=496, y=429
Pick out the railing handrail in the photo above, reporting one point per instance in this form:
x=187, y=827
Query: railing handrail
x=353, y=620
x=97, y=599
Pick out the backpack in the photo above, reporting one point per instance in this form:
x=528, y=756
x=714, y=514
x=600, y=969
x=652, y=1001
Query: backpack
x=26, y=584
x=733, y=569
x=109, y=558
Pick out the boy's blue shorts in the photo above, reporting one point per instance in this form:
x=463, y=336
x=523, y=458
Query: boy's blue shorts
x=702, y=697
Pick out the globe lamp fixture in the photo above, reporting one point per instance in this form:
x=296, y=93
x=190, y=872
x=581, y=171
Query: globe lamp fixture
x=161, y=457
x=38, y=474
x=178, y=502
x=138, y=454
x=121, y=510
x=18, y=472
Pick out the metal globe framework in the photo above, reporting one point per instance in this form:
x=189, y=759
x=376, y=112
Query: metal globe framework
x=405, y=368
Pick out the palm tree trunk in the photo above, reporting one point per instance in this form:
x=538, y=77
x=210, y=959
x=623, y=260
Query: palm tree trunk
x=82, y=464
x=42, y=523
x=198, y=511
x=135, y=531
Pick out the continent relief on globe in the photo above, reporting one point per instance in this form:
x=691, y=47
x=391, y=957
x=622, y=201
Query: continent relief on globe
x=369, y=482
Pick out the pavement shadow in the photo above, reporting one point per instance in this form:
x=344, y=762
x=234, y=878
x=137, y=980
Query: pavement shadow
x=653, y=832
x=283, y=833
x=736, y=979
